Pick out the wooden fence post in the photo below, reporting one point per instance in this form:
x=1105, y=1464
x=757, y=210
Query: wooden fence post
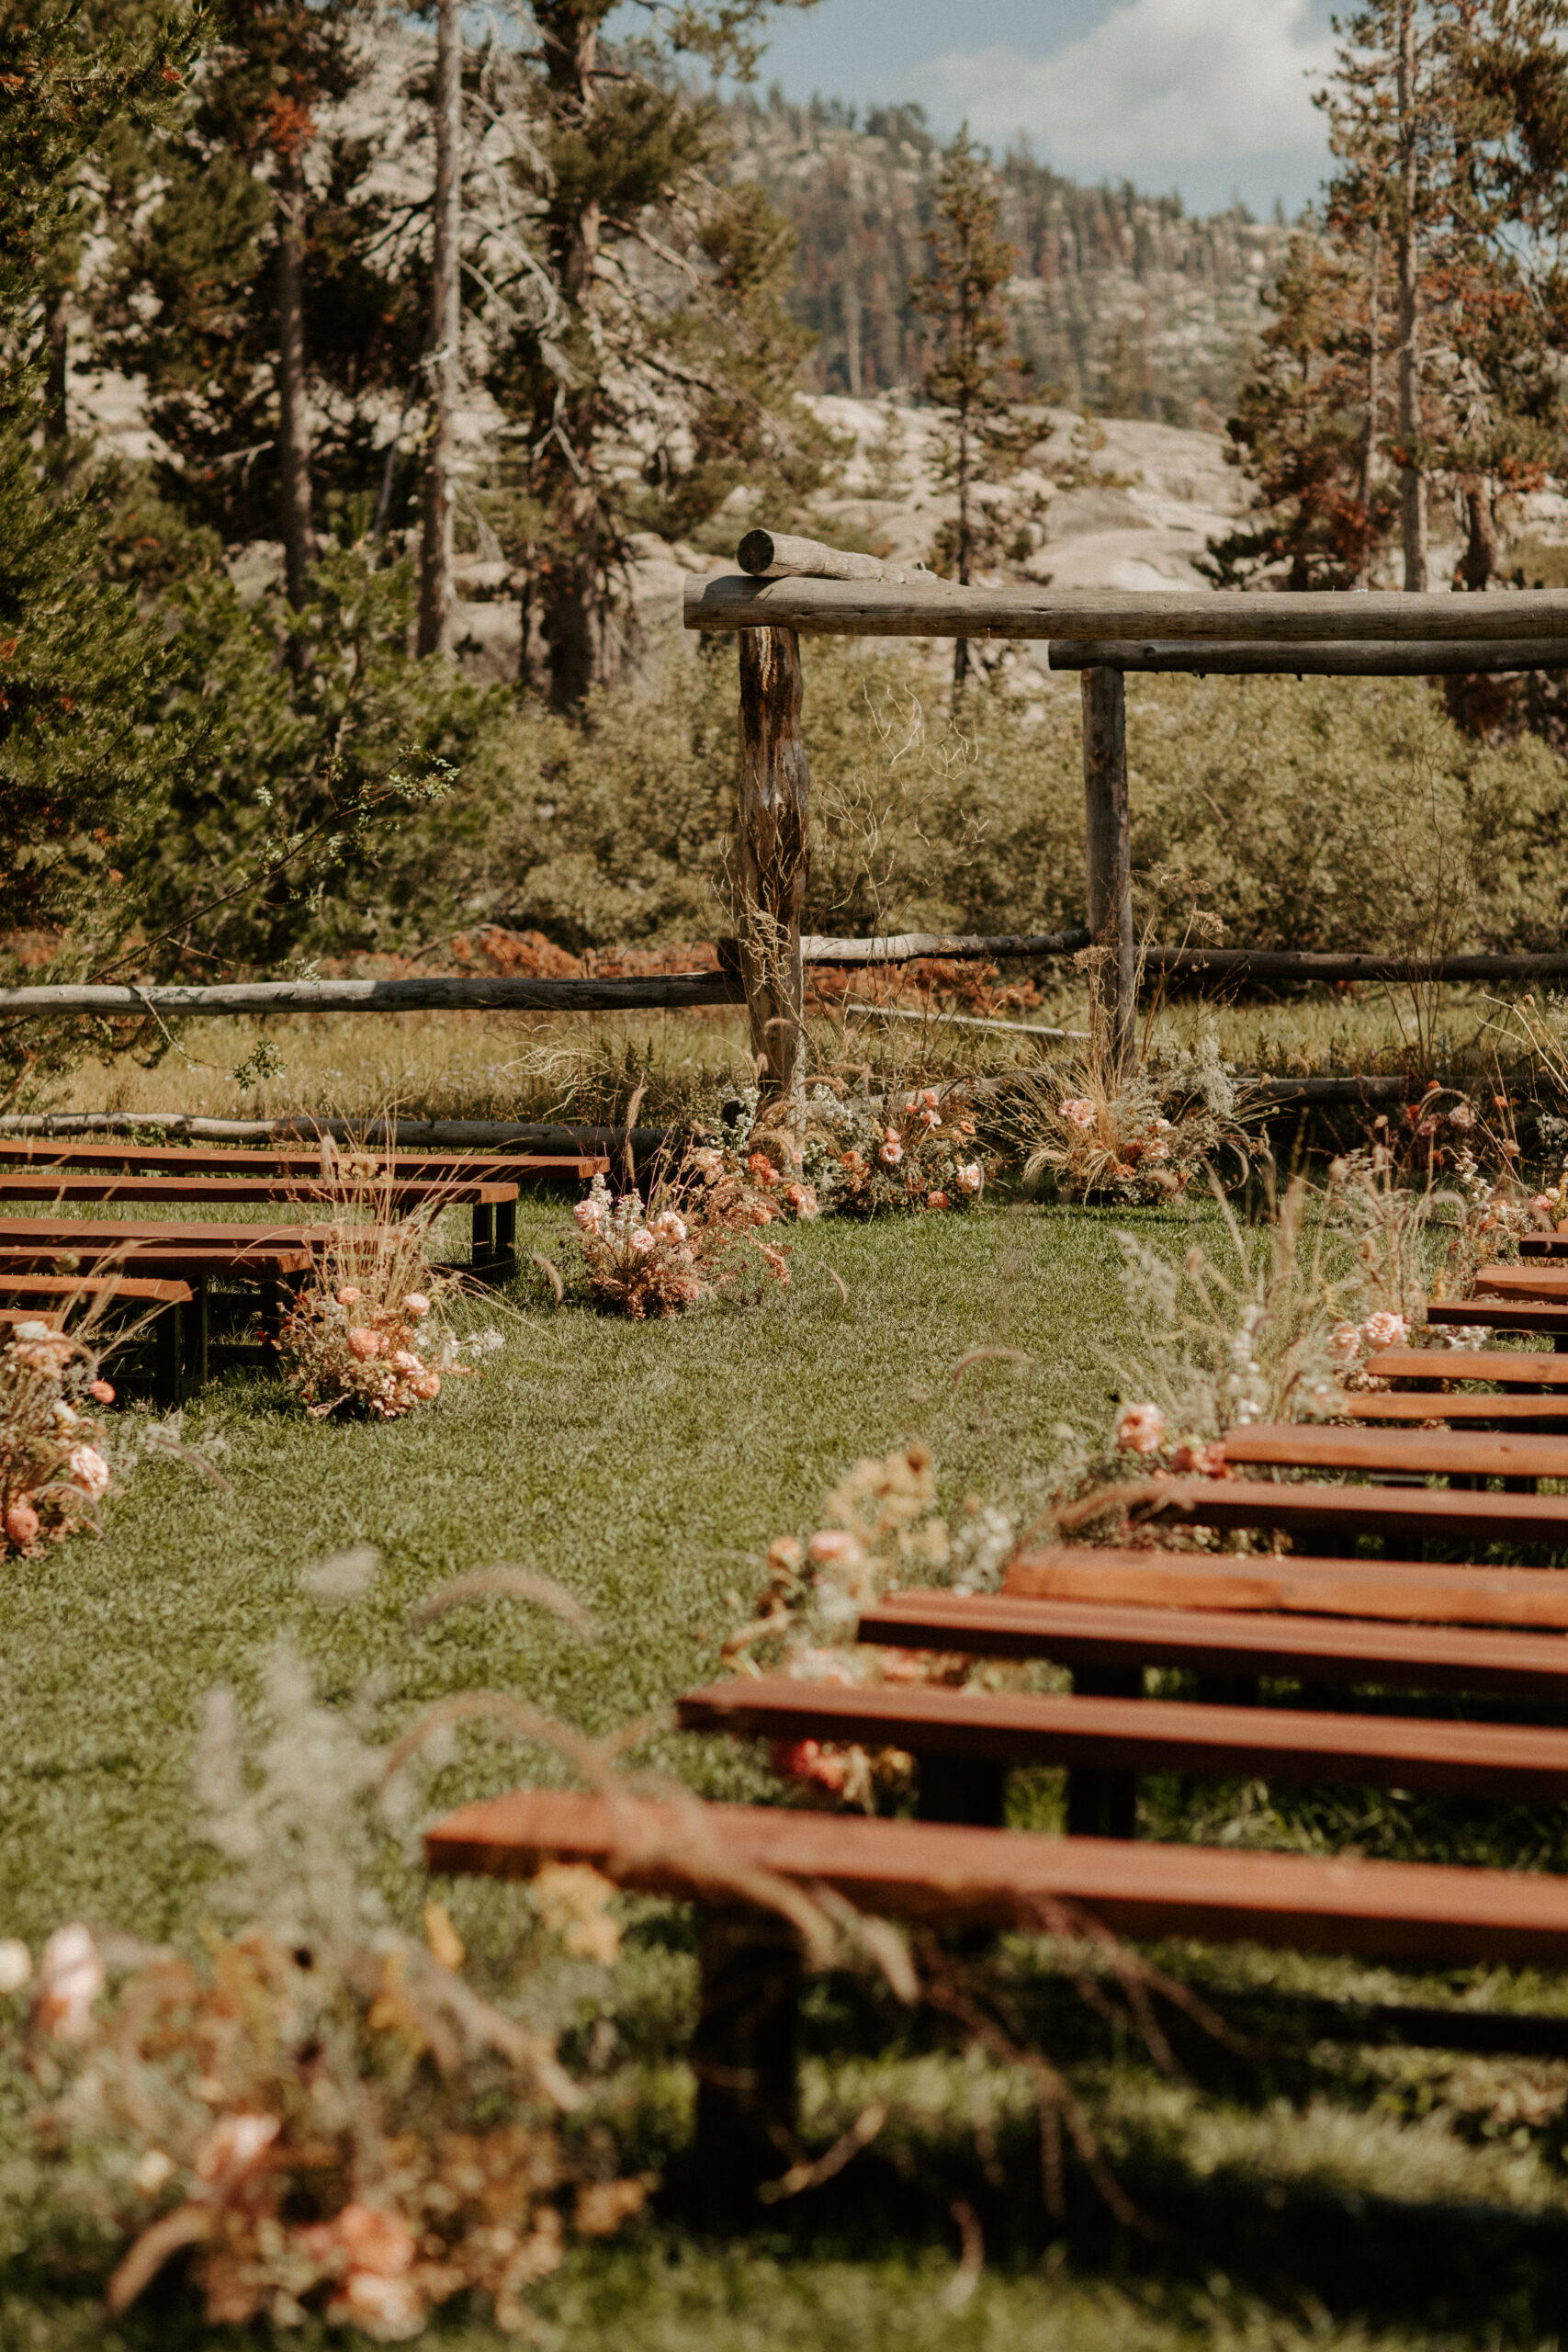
x=772, y=854
x=1108, y=859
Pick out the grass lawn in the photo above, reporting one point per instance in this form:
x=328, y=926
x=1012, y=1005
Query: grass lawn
x=1322, y=2196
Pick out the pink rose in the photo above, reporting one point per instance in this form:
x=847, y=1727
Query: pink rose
x=588, y=1214
x=428, y=1386
x=802, y=1199
x=21, y=1522
x=1345, y=1342
x=891, y=1153
x=969, y=1177
x=1140, y=1429
x=102, y=1390
x=672, y=1225
x=1199, y=1460
x=1384, y=1329
x=349, y=1295
x=642, y=1241
x=832, y=1543
x=416, y=1304
x=89, y=1469
x=938, y=1201
x=1078, y=1111
x=404, y=1359
x=364, y=1343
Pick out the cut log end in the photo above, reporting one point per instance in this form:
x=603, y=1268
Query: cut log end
x=775, y=555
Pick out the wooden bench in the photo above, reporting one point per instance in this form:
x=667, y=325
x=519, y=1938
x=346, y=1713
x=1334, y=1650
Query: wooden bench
x=1381, y=1453
x=1540, y=1318
x=1502, y=1367
x=494, y=1203
x=270, y=1260
x=943, y=1878
x=1410, y=1404
x=1336, y=1517
x=965, y=1740
x=1091, y=1636
x=52, y=1297
x=1547, y=1282
x=1405, y=1591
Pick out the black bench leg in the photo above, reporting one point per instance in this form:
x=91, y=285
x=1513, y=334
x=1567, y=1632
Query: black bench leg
x=743, y=2054
x=961, y=1788
x=197, y=1336
x=1102, y=1802
x=168, y=1358
x=484, y=1236
x=506, y=1236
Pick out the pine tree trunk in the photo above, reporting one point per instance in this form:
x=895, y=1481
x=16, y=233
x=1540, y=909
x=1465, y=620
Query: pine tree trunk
x=961, y=644
x=1413, y=482
x=56, y=416
x=446, y=329
x=294, y=420
x=1374, y=399
x=569, y=581
x=1482, y=550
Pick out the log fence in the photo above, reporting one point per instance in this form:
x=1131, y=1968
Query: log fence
x=789, y=587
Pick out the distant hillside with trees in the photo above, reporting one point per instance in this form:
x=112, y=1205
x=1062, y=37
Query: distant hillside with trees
x=1126, y=303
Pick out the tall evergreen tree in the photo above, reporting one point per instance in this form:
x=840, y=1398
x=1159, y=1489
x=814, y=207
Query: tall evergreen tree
x=644, y=353
x=973, y=375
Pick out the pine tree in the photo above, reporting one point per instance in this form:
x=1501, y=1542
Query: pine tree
x=645, y=355
x=267, y=294
x=972, y=374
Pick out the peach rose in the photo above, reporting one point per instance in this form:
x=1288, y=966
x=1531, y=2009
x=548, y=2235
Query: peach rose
x=364, y=1343
x=21, y=1522
x=89, y=1469
x=416, y=1304
x=102, y=1389
x=1140, y=1429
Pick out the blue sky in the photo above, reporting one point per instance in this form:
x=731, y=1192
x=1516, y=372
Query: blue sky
x=1203, y=95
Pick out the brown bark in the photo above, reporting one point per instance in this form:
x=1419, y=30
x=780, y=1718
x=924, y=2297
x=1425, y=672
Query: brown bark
x=1413, y=482
x=56, y=416
x=446, y=328
x=1108, y=862
x=1374, y=399
x=772, y=854
x=294, y=422
x=570, y=580
x=1482, y=552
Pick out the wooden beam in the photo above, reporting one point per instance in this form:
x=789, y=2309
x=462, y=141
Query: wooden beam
x=883, y=609
x=775, y=555
x=774, y=852
x=672, y=992
x=1108, y=869
x=910, y=946
x=1342, y=657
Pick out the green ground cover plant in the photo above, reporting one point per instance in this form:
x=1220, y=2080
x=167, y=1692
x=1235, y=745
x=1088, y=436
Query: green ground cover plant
x=647, y=1468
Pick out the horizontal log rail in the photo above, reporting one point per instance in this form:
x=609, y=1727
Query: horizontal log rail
x=677, y=991
x=934, y=607
x=1336, y=658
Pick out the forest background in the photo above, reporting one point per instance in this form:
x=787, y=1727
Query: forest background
x=367, y=388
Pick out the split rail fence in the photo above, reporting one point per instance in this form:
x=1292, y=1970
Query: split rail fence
x=787, y=588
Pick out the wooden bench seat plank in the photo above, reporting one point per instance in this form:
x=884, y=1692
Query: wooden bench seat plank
x=1503, y=1367
x=463, y=1193
x=1539, y=1317
x=1344, y=1513
x=176, y=1159
x=1416, y=1912
x=137, y=1289
x=1406, y=1592
x=176, y=1260
x=66, y=1232
x=1460, y=1408
x=1316, y=1445
x=1520, y=1762
x=1547, y=1282
x=1087, y=1634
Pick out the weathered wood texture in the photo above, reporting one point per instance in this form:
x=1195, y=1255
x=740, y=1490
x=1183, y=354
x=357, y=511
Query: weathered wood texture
x=1230, y=1641
x=1507, y=1367
x=1510, y=1761
x=909, y=946
x=1346, y=659
x=376, y=1135
x=877, y=608
x=61, y=1184
x=186, y=1159
x=1008, y=1877
x=1434, y=1453
x=1406, y=1592
x=1107, y=868
x=776, y=555
x=774, y=850
x=667, y=990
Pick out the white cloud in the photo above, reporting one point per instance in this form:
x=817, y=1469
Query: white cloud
x=1157, y=81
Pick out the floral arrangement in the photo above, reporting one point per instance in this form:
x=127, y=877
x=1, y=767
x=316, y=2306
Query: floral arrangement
x=319, y=2110
x=374, y=1334
x=54, y=1461
x=1139, y=1136
x=684, y=1245
x=879, y=1534
x=916, y=1152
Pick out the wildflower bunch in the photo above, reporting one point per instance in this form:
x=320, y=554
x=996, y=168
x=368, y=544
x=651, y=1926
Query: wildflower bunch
x=684, y=1244
x=917, y=1151
x=321, y=2111
x=342, y=1346
x=879, y=1532
x=1138, y=1135
x=54, y=1458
